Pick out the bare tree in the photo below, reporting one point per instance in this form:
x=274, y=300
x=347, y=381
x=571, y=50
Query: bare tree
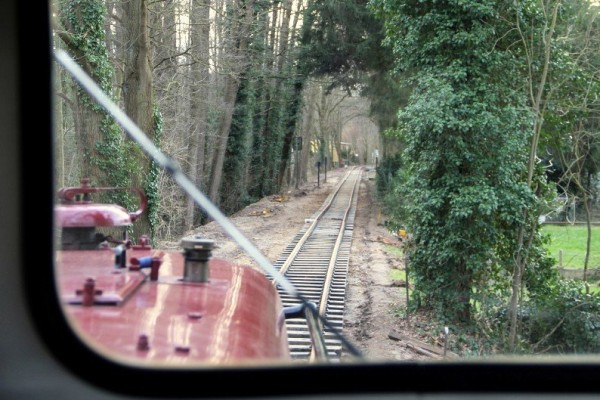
x=199, y=49
x=137, y=86
x=569, y=93
x=235, y=48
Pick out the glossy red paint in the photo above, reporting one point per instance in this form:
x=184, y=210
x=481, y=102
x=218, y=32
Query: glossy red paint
x=235, y=317
x=77, y=210
x=91, y=215
x=137, y=305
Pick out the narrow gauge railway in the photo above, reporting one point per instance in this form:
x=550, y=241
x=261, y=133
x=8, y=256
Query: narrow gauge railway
x=195, y=310
x=316, y=263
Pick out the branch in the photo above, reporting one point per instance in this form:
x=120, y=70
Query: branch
x=170, y=58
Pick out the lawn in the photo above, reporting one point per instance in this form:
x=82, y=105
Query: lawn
x=571, y=240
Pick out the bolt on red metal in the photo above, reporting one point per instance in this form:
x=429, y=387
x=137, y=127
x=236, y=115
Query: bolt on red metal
x=194, y=315
x=143, y=344
x=182, y=349
x=88, y=292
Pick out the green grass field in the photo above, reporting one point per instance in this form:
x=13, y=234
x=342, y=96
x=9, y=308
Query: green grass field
x=568, y=239
x=571, y=240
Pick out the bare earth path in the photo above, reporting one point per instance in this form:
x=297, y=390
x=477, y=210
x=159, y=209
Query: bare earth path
x=373, y=299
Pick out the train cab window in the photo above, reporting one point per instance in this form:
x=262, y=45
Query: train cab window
x=330, y=188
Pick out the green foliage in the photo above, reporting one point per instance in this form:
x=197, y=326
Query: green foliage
x=342, y=40
x=115, y=162
x=388, y=94
x=386, y=171
x=85, y=20
x=541, y=273
x=86, y=23
x=258, y=144
x=463, y=190
x=268, y=141
x=254, y=149
x=274, y=135
x=564, y=320
x=151, y=182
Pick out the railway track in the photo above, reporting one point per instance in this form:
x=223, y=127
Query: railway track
x=316, y=263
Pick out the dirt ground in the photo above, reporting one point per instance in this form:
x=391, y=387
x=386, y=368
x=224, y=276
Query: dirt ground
x=373, y=319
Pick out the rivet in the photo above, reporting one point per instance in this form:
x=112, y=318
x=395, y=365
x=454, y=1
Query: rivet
x=194, y=315
x=142, y=344
x=88, y=292
x=182, y=349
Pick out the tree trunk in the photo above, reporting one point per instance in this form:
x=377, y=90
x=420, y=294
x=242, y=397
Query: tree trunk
x=59, y=143
x=522, y=251
x=231, y=89
x=290, y=110
x=137, y=88
x=89, y=136
x=200, y=30
x=87, y=119
x=240, y=37
x=588, y=244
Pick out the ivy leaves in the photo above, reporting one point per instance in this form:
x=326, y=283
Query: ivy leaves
x=466, y=141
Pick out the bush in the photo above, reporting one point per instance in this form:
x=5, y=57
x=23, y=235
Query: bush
x=386, y=172
x=562, y=320
x=565, y=321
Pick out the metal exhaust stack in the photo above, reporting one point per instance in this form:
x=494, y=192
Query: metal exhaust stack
x=196, y=252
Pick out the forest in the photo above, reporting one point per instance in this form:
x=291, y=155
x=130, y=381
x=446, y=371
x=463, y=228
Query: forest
x=477, y=113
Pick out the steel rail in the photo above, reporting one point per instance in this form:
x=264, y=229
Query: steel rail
x=310, y=228
x=335, y=253
x=316, y=267
x=324, y=302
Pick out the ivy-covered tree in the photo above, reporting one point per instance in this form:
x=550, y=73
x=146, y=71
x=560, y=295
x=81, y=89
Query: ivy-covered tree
x=239, y=147
x=138, y=99
x=467, y=130
x=100, y=142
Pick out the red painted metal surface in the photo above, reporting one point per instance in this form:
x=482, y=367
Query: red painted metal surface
x=91, y=215
x=77, y=210
x=140, y=305
x=235, y=317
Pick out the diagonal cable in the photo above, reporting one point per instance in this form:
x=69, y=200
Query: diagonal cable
x=173, y=169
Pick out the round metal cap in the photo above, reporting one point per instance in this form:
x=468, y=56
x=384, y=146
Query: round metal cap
x=197, y=243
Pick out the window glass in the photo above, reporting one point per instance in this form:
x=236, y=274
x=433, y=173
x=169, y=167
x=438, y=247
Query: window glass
x=197, y=143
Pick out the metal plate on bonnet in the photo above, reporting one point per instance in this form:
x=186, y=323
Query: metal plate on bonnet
x=112, y=286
